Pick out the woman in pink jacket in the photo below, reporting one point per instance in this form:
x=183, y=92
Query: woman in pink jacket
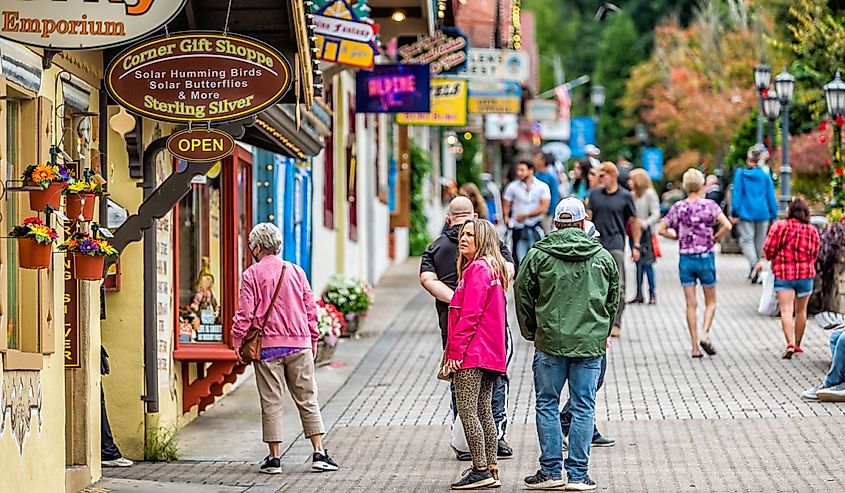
x=287, y=347
x=475, y=349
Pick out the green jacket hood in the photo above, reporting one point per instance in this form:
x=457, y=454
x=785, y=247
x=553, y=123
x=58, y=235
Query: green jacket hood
x=570, y=244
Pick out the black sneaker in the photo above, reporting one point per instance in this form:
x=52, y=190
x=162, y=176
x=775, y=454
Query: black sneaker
x=540, y=481
x=472, y=479
x=504, y=450
x=584, y=484
x=462, y=456
x=271, y=466
x=322, y=462
x=603, y=442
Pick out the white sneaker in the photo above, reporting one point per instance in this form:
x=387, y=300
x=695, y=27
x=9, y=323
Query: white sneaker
x=120, y=462
x=832, y=394
x=810, y=394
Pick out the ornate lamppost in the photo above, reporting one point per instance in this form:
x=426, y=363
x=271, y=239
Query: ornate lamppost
x=834, y=95
x=785, y=85
x=762, y=78
x=597, y=98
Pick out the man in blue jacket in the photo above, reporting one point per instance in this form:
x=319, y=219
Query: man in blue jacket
x=753, y=206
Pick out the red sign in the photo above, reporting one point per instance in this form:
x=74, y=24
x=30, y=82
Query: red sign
x=201, y=145
x=198, y=77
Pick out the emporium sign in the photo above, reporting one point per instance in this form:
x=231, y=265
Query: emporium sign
x=83, y=24
x=445, y=50
x=198, y=77
x=200, y=145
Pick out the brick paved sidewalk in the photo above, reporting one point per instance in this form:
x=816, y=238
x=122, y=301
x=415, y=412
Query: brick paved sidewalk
x=730, y=423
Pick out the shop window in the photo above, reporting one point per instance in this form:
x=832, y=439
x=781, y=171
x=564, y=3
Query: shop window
x=10, y=213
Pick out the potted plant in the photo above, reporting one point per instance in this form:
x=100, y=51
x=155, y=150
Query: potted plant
x=80, y=198
x=35, y=243
x=330, y=325
x=89, y=253
x=352, y=297
x=50, y=179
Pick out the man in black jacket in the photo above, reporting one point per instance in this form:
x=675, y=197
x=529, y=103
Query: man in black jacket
x=439, y=276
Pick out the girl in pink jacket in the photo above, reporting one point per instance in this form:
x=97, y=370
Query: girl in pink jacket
x=475, y=349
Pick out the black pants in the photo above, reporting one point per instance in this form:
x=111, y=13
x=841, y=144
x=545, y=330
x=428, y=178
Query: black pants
x=109, y=450
x=566, y=413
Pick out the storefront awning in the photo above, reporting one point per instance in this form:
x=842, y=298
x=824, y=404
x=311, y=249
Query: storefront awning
x=276, y=130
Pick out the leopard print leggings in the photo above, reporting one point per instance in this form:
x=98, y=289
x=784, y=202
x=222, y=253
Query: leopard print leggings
x=474, y=395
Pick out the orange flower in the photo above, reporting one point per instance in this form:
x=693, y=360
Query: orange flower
x=43, y=173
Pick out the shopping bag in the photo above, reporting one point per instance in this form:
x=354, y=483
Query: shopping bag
x=459, y=439
x=655, y=241
x=768, y=299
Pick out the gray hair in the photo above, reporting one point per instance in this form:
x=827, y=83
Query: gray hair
x=267, y=237
x=693, y=180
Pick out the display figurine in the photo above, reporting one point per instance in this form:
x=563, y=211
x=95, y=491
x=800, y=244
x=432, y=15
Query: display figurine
x=204, y=303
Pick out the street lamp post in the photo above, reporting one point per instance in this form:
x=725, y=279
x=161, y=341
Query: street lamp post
x=834, y=94
x=762, y=78
x=785, y=84
x=597, y=97
x=641, y=132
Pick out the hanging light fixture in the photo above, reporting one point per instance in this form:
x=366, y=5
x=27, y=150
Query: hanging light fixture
x=398, y=15
x=834, y=94
x=785, y=84
x=771, y=105
x=762, y=76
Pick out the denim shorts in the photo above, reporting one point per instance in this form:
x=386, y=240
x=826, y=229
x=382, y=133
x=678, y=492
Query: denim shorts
x=697, y=267
x=802, y=287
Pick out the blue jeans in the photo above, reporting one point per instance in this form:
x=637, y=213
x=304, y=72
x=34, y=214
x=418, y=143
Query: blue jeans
x=524, y=238
x=566, y=412
x=646, y=271
x=836, y=375
x=550, y=373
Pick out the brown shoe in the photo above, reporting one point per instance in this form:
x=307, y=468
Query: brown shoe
x=615, y=331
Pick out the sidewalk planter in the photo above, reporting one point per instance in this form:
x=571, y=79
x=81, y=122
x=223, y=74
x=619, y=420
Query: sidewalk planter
x=89, y=254
x=330, y=327
x=35, y=243
x=51, y=178
x=80, y=206
x=352, y=297
x=325, y=350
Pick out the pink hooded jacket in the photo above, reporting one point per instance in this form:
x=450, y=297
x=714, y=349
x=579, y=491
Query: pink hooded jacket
x=292, y=322
x=477, y=320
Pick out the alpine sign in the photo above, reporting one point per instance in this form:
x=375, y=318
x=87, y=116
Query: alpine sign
x=198, y=77
x=83, y=24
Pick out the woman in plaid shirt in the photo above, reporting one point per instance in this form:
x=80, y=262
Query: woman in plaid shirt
x=792, y=247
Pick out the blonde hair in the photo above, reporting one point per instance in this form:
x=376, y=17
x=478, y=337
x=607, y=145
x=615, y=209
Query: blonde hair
x=487, y=247
x=471, y=191
x=693, y=180
x=641, y=181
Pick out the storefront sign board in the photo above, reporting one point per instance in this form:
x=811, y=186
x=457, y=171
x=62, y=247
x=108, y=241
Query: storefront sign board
x=394, y=89
x=484, y=63
x=494, y=97
x=541, y=110
x=448, y=106
x=198, y=77
x=445, y=51
x=83, y=24
x=201, y=145
x=344, y=34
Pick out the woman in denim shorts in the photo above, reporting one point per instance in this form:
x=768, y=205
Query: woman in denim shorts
x=692, y=222
x=792, y=247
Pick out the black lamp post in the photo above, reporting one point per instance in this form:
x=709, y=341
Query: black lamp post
x=771, y=109
x=834, y=94
x=762, y=78
x=785, y=85
x=597, y=98
x=641, y=132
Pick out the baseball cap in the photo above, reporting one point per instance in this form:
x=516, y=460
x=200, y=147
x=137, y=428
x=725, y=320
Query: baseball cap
x=570, y=210
x=592, y=150
x=591, y=230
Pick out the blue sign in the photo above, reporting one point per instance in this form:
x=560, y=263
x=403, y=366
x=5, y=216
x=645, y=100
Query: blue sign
x=393, y=89
x=583, y=132
x=653, y=162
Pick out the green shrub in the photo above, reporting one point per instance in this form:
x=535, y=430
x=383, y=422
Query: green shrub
x=161, y=444
x=420, y=168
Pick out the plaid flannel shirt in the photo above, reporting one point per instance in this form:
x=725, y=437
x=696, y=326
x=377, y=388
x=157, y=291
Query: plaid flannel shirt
x=792, y=247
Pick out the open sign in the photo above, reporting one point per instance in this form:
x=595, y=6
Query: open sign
x=201, y=145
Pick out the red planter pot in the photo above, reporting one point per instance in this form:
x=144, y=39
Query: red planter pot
x=88, y=267
x=80, y=205
x=40, y=199
x=34, y=255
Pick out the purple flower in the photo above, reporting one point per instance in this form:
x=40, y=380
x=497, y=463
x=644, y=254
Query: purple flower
x=63, y=172
x=88, y=246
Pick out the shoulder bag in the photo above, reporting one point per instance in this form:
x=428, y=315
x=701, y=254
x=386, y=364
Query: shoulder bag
x=250, y=349
x=768, y=305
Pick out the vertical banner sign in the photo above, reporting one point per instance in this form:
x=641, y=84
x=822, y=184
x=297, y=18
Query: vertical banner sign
x=582, y=132
x=394, y=89
x=71, y=308
x=653, y=162
x=448, y=106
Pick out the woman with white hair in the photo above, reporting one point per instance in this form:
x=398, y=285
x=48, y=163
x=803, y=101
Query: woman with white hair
x=692, y=221
x=276, y=298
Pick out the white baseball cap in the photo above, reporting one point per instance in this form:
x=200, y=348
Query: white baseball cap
x=592, y=150
x=591, y=230
x=570, y=210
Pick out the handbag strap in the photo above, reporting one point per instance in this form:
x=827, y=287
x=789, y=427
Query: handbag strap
x=275, y=295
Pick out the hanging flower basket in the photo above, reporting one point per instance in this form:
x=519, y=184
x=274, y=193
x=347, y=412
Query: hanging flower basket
x=34, y=255
x=89, y=254
x=50, y=196
x=80, y=206
x=88, y=267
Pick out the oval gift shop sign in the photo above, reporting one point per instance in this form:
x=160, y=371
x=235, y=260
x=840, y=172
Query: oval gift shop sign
x=83, y=24
x=201, y=145
x=198, y=77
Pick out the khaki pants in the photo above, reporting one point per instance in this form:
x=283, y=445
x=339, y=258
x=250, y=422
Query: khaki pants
x=297, y=372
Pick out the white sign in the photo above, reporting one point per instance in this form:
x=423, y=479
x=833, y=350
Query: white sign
x=341, y=28
x=501, y=127
x=83, y=24
x=558, y=130
x=541, y=110
x=486, y=63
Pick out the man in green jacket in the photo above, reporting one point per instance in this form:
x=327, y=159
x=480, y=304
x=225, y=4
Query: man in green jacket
x=567, y=293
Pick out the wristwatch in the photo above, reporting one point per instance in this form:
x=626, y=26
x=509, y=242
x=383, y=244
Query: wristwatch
x=636, y=247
